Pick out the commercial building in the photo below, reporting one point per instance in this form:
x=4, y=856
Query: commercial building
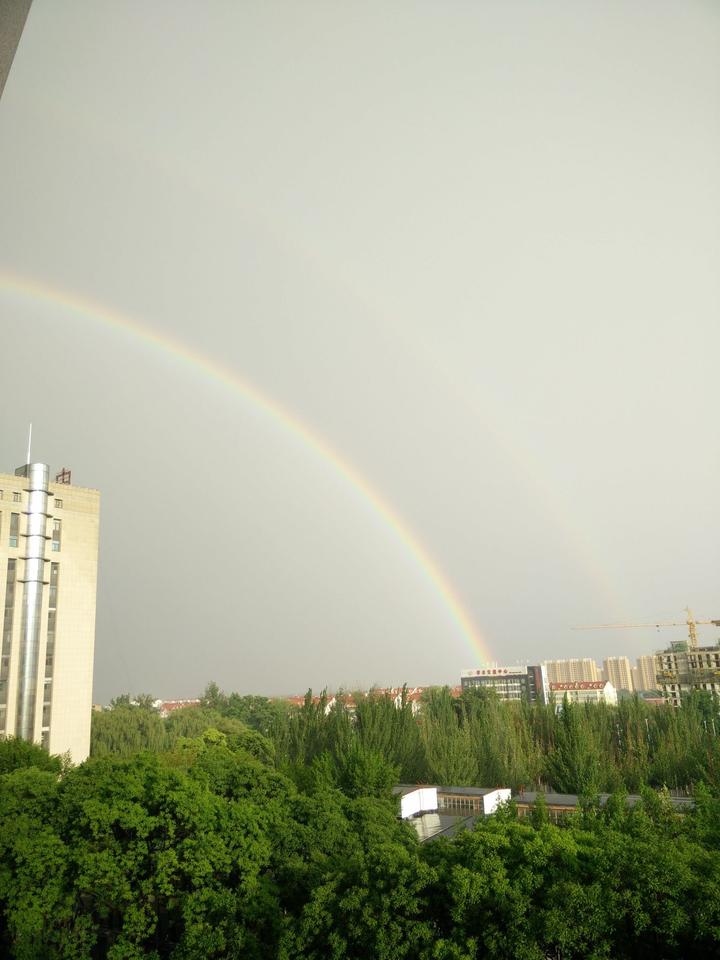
x=516, y=682
x=645, y=673
x=48, y=581
x=564, y=671
x=618, y=672
x=585, y=691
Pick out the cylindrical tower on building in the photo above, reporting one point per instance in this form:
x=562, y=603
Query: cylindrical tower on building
x=33, y=579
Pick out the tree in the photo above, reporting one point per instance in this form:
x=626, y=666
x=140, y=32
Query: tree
x=16, y=754
x=130, y=859
x=574, y=765
x=126, y=729
x=451, y=755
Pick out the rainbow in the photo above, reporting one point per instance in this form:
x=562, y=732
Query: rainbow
x=34, y=290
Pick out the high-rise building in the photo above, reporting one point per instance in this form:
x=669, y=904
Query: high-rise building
x=685, y=667
x=618, y=672
x=567, y=671
x=518, y=682
x=645, y=673
x=48, y=580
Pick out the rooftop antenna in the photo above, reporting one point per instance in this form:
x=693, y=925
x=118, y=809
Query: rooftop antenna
x=29, y=443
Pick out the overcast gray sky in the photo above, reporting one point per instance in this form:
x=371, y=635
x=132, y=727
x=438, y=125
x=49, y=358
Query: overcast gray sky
x=474, y=247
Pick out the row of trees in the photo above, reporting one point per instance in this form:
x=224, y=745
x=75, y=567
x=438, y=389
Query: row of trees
x=475, y=739
x=478, y=739
x=205, y=849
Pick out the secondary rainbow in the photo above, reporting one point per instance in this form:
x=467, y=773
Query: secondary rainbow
x=33, y=289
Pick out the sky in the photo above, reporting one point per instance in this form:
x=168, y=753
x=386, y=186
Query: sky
x=388, y=332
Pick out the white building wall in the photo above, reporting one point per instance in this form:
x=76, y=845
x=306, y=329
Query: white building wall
x=422, y=800
x=491, y=801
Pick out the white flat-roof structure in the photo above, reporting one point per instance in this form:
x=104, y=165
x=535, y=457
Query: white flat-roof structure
x=442, y=811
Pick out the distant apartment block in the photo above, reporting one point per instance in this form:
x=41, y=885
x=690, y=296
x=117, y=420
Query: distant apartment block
x=584, y=691
x=645, y=673
x=48, y=579
x=518, y=682
x=565, y=671
x=618, y=672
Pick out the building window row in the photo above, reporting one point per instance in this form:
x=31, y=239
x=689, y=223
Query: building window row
x=461, y=804
x=6, y=649
x=50, y=646
x=14, y=529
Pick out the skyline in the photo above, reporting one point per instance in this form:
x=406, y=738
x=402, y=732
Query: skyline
x=462, y=276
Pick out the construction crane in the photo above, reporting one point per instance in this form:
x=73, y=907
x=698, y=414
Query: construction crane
x=690, y=622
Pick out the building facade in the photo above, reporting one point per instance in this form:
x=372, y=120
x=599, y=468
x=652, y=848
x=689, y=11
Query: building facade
x=682, y=668
x=584, y=691
x=516, y=682
x=48, y=583
x=618, y=672
x=566, y=671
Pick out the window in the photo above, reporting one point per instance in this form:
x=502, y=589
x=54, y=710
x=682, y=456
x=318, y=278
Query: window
x=14, y=529
x=17, y=496
x=50, y=646
x=58, y=504
x=54, y=572
x=56, y=535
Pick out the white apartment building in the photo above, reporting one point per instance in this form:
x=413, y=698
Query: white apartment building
x=565, y=671
x=618, y=672
x=48, y=583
